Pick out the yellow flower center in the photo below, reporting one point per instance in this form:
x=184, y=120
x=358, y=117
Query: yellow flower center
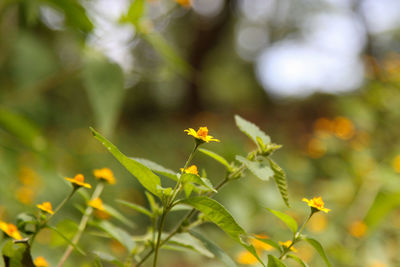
x=202, y=132
x=79, y=178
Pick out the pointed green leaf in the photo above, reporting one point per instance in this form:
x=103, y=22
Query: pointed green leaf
x=135, y=207
x=289, y=221
x=214, y=249
x=318, y=247
x=280, y=180
x=251, y=130
x=152, y=202
x=217, y=213
x=275, y=262
x=260, y=170
x=217, y=157
x=17, y=254
x=157, y=168
x=145, y=176
x=76, y=247
x=108, y=258
x=117, y=233
x=300, y=261
x=187, y=241
x=193, y=178
x=117, y=215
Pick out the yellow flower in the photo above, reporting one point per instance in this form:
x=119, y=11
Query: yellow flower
x=40, y=262
x=245, y=257
x=287, y=244
x=96, y=203
x=358, y=229
x=316, y=203
x=192, y=169
x=201, y=134
x=78, y=181
x=184, y=3
x=46, y=206
x=105, y=174
x=259, y=245
x=396, y=164
x=10, y=229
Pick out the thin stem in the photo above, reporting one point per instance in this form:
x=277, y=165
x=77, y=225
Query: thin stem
x=160, y=229
x=82, y=225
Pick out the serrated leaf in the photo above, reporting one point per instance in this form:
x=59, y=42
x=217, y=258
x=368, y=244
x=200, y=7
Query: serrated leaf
x=157, y=168
x=289, y=221
x=217, y=214
x=145, y=176
x=117, y=215
x=74, y=246
x=270, y=242
x=213, y=248
x=259, y=169
x=300, y=261
x=135, y=207
x=251, y=130
x=318, y=247
x=193, y=178
x=117, y=233
x=280, y=180
x=216, y=157
x=187, y=241
x=108, y=258
x=275, y=262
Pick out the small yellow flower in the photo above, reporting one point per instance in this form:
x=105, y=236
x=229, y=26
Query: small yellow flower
x=192, y=169
x=78, y=181
x=46, y=206
x=316, y=203
x=358, y=229
x=10, y=229
x=105, y=174
x=287, y=244
x=201, y=134
x=245, y=257
x=96, y=203
x=184, y=3
x=259, y=245
x=40, y=262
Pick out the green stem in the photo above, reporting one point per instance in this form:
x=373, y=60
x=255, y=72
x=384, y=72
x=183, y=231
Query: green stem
x=160, y=229
x=82, y=225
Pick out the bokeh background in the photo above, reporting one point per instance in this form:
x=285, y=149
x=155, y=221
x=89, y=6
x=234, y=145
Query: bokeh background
x=321, y=77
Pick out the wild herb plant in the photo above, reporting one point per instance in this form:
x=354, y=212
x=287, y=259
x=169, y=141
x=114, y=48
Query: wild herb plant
x=191, y=190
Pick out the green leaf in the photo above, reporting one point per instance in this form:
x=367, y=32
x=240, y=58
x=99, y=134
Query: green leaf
x=104, y=83
x=135, y=12
x=193, y=178
x=260, y=170
x=214, y=249
x=217, y=157
x=67, y=228
x=187, y=241
x=153, y=204
x=27, y=223
x=118, y=234
x=280, y=180
x=108, y=258
x=76, y=247
x=216, y=213
x=318, y=247
x=270, y=242
x=300, y=261
x=157, y=168
x=251, y=130
x=289, y=221
x=274, y=262
x=117, y=215
x=170, y=55
x=145, y=176
x=17, y=254
x=135, y=207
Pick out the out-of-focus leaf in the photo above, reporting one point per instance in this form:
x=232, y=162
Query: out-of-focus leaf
x=17, y=255
x=189, y=177
x=300, y=261
x=22, y=128
x=318, y=247
x=216, y=213
x=157, y=168
x=217, y=157
x=259, y=169
x=67, y=228
x=171, y=56
x=251, y=130
x=187, y=241
x=77, y=248
x=27, y=222
x=104, y=83
x=135, y=207
x=274, y=262
x=270, y=242
x=152, y=202
x=213, y=248
x=108, y=258
x=145, y=176
x=289, y=221
x=280, y=180
x=117, y=215
x=118, y=234
x=384, y=203
x=135, y=12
